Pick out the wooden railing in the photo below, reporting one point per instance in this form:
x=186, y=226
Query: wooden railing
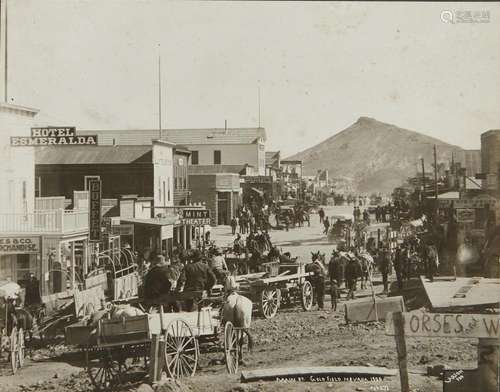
x=47, y=221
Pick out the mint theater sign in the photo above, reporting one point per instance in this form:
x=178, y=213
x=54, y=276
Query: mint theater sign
x=53, y=136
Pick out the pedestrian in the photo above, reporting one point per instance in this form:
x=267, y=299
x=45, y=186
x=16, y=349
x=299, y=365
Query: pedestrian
x=398, y=267
x=384, y=265
x=196, y=276
x=317, y=280
x=321, y=214
x=234, y=223
x=326, y=223
x=335, y=274
x=352, y=273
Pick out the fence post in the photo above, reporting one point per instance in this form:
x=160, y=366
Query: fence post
x=488, y=351
x=399, y=335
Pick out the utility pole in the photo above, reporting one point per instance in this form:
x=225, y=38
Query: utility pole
x=258, y=91
x=423, y=182
x=435, y=174
x=159, y=96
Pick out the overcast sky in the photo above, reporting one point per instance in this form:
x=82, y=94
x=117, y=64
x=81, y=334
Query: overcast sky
x=93, y=64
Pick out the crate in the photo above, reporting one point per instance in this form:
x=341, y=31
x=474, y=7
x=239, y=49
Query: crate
x=128, y=330
x=79, y=334
x=272, y=268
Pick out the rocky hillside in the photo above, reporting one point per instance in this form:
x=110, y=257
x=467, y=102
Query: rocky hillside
x=376, y=156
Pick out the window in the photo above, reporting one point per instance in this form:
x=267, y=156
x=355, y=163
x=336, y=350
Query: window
x=194, y=157
x=38, y=186
x=217, y=157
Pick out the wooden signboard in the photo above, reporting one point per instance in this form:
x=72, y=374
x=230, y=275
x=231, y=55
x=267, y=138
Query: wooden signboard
x=88, y=301
x=126, y=286
x=95, y=213
x=100, y=280
x=449, y=325
x=485, y=327
x=466, y=215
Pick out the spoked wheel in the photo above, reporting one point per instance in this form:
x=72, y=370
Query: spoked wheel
x=104, y=372
x=181, y=350
x=231, y=347
x=20, y=347
x=307, y=296
x=269, y=302
x=13, y=354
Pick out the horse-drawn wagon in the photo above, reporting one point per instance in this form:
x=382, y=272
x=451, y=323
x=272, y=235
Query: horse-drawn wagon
x=156, y=343
x=286, y=285
x=11, y=336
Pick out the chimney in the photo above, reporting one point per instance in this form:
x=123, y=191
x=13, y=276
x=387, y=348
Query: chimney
x=225, y=127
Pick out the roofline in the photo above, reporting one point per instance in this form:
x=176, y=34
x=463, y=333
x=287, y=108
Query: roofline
x=18, y=108
x=160, y=141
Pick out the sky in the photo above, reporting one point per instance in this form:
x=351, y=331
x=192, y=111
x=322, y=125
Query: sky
x=320, y=66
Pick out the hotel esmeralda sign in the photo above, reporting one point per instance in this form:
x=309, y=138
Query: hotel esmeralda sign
x=53, y=136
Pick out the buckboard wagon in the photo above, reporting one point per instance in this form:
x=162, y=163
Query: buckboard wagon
x=288, y=285
x=160, y=344
x=12, y=337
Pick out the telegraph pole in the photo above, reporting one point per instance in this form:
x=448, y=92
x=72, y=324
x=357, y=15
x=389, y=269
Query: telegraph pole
x=159, y=96
x=435, y=175
x=423, y=182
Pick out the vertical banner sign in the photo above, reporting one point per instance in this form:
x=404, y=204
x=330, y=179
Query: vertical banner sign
x=95, y=209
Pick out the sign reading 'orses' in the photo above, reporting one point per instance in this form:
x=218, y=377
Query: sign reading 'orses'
x=53, y=136
x=95, y=191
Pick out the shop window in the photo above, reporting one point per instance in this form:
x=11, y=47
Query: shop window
x=194, y=157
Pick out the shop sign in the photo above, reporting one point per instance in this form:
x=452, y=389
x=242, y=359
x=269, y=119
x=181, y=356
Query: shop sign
x=17, y=245
x=167, y=232
x=196, y=222
x=195, y=214
x=53, y=136
x=95, y=191
x=466, y=215
x=123, y=229
x=258, y=179
x=476, y=202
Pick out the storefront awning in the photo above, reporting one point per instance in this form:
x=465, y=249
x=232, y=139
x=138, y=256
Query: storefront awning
x=170, y=220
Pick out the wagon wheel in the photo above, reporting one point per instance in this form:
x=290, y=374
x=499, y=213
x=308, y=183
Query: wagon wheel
x=13, y=350
x=231, y=347
x=104, y=372
x=307, y=296
x=20, y=347
x=269, y=302
x=181, y=350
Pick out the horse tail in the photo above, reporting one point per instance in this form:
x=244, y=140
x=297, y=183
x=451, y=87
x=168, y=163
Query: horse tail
x=250, y=339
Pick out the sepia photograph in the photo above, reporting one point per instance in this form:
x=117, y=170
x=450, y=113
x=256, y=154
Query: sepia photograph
x=249, y=196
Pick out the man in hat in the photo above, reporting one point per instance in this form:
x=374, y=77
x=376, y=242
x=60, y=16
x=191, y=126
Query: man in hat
x=197, y=276
x=218, y=265
x=384, y=266
x=317, y=279
x=156, y=280
x=352, y=273
x=335, y=273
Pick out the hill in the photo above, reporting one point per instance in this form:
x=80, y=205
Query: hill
x=376, y=156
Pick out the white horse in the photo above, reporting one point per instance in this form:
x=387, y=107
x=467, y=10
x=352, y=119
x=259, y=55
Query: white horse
x=238, y=310
x=367, y=267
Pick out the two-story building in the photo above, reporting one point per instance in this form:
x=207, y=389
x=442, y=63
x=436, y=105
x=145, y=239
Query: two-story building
x=208, y=146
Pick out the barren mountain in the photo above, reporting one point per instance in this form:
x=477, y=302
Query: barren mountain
x=376, y=156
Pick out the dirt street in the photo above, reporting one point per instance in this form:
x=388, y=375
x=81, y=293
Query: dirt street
x=293, y=338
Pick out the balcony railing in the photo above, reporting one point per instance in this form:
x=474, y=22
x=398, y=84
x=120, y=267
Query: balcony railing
x=48, y=221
